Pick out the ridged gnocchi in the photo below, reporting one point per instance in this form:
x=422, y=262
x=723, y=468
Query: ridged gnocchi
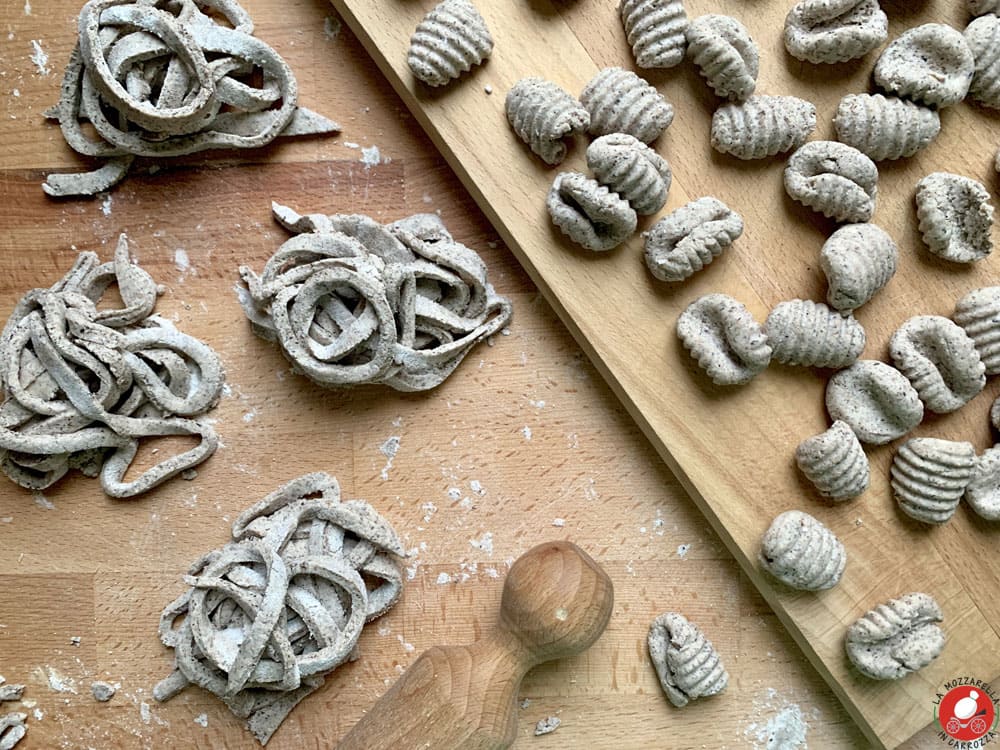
x=835, y=462
x=543, y=115
x=956, y=217
x=688, y=239
x=929, y=477
x=810, y=334
x=619, y=101
x=930, y=64
x=762, y=126
x=450, y=40
x=725, y=54
x=588, y=213
x=896, y=638
x=802, y=553
x=834, y=179
x=978, y=312
x=655, y=30
x=627, y=166
x=875, y=400
x=724, y=339
x=833, y=31
x=686, y=662
x=857, y=260
x=885, y=127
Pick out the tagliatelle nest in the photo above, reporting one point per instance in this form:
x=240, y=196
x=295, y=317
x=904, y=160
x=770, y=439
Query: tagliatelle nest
x=352, y=302
x=84, y=385
x=164, y=78
x=267, y=615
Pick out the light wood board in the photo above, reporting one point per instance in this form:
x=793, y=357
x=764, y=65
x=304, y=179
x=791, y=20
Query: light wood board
x=102, y=570
x=732, y=448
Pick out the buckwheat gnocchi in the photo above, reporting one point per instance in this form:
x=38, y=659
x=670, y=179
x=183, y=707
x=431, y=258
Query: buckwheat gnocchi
x=762, y=126
x=885, y=127
x=810, y=334
x=956, y=217
x=832, y=31
x=835, y=462
x=655, y=30
x=930, y=64
x=802, y=553
x=619, y=101
x=929, y=477
x=940, y=360
x=450, y=40
x=978, y=312
x=627, y=166
x=834, y=179
x=684, y=242
x=543, y=115
x=983, y=38
x=686, y=662
x=588, y=213
x=725, y=54
x=858, y=260
x=875, y=400
x=724, y=339
x=983, y=491
x=896, y=638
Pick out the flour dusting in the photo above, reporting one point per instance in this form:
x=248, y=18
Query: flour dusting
x=371, y=157
x=106, y=206
x=41, y=501
x=331, y=27
x=682, y=550
x=526, y=432
x=484, y=543
x=60, y=683
x=39, y=58
x=784, y=728
x=389, y=449
x=201, y=720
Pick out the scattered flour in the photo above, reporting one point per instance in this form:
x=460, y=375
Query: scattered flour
x=488, y=89
x=484, y=543
x=7, y=519
x=389, y=449
x=331, y=27
x=547, y=725
x=429, y=509
x=60, y=683
x=201, y=720
x=249, y=416
x=144, y=713
x=443, y=578
x=371, y=157
x=476, y=486
x=559, y=522
x=682, y=550
x=526, y=431
x=785, y=727
x=183, y=263
x=537, y=404
x=27, y=7
x=351, y=144
x=407, y=647
x=39, y=58
x=454, y=493
x=106, y=206
x=426, y=198
x=41, y=501
x=38, y=714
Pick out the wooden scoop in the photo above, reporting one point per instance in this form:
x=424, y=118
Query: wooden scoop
x=556, y=603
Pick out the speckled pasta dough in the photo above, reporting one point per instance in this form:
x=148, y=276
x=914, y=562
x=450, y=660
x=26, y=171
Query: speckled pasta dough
x=956, y=217
x=542, y=115
x=875, y=399
x=802, y=553
x=724, y=339
x=655, y=30
x=858, y=260
x=266, y=616
x=627, y=166
x=982, y=7
x=929, y=477
x=762, y=126
x=885, y=127
x=619, y=101
x=835, y=462
x=12, y=729
x=832, y=31
x=686, y=662
x=930, y=64
x=983, y=38
x=978, y=312
x=810, y=334
x=834, y=179
x=983, y=491
x=450, y=40
x=588, y=213
x=896, y=638
x=725, y=54
x=688, y=239
x=940, y=360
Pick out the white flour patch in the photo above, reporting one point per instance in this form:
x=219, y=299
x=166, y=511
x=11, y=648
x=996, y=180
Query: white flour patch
x=106, y=206
x=41, y=501
x=144, y=713
x=60, y=682
x=39, y=58
x=426, y=199
x=38, y=714
x=389, y=449
x=429, y=509
x=559, y=522
x=331, y=27
x=454, y=493
x=27, y=7
x=351, y=144
x=7, y=519
x=526, y=431
x=590, y=490
x=476, y=486
x=537, y=404
x=183, y=263
x=547, y=725
x=407, y=647
x=682, y=550
x=371, y=157
x=484, y=543
x=201, y=720
x=777, y=724
x=443, y=578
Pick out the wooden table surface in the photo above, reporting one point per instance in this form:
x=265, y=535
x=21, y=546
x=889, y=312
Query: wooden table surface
x=524, y=443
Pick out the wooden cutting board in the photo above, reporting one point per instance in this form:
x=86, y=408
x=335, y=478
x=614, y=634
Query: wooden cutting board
x=733, y=448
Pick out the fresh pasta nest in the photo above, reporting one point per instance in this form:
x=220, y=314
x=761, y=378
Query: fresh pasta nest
x=84, y=383
x=588, y=213
x=978, y=312
x=686, y=662
x=896, y=638
x=655, y=31
x=875, y=399
x=810, y=334
x=801, y=552
x=351, y=302
x=835, y=462
x=930, y=64
x=834, y=179
x=543, y=115
x=627, y=166
x=956, y=217
x=725, y=54
x=940, y=360
x=858, y=260
x=267, y=615
x=929, y=477
x=762, y=126
x=885, y=127
x=688, y=239
x=156, y=81
x=983, y=38
x=619, y=101
x=724, y=339
x=450, y=40
x=833, y=31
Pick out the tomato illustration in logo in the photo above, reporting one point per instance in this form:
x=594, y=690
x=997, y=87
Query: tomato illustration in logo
x=966, y=714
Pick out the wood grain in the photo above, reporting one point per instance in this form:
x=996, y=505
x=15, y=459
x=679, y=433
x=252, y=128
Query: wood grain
x=732, y=449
